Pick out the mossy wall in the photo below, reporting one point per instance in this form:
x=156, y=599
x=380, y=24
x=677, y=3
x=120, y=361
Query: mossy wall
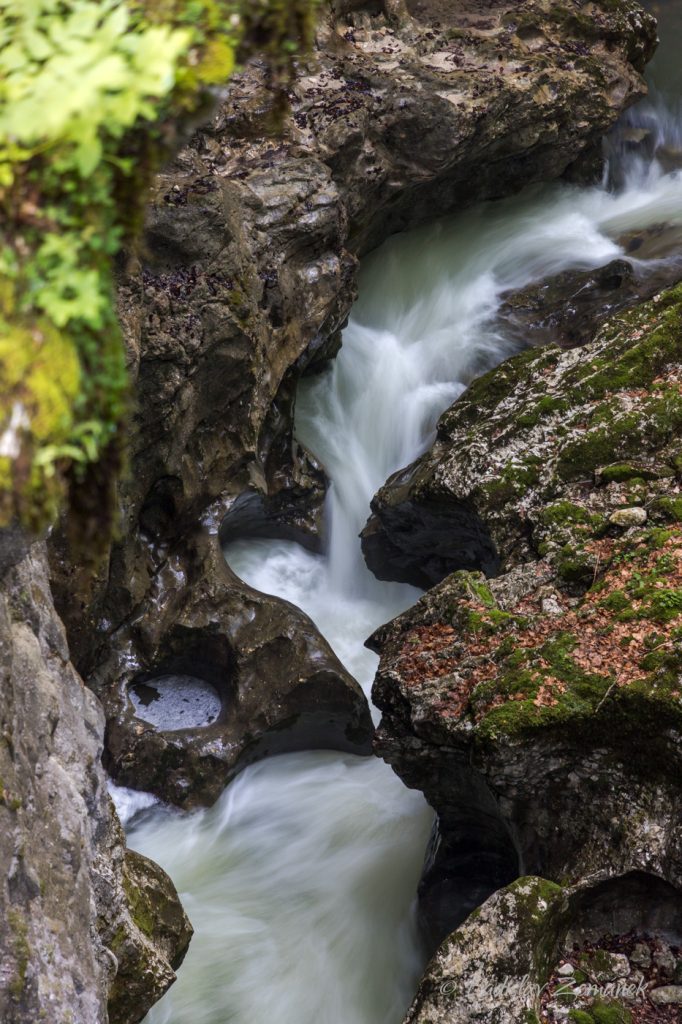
x=94, y=94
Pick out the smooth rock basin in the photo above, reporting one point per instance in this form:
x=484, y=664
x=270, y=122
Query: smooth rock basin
x=172, y=702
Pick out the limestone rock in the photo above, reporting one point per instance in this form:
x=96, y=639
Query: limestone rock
x=277, y=685
x=533, y=707
x=537, y=456
x=501, y=965
x=628, y=517
x=146, y=967
x=68, y=929
x=667, y=995
x=492, y=968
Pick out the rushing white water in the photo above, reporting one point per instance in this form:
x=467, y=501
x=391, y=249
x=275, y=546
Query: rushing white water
x=300, y=881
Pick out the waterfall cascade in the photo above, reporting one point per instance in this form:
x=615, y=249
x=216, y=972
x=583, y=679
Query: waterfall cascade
x=300, y=881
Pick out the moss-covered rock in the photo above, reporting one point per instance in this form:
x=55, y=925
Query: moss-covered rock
x=554, y=687
x=162, y=932
x=563, y=440
x=83, y=922
x=538, y=951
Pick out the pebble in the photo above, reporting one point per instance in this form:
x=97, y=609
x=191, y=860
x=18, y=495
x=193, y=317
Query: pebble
x=634, y=516
x=551, y=606
x=641, y=955
x=565, y=970
x=608, y=967
x=665, y=961
x=667, y=995
x=620, y=966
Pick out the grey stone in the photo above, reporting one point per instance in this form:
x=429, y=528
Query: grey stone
x=629, y=517
x=667, y=995
x=641, y=955
x=70, y=894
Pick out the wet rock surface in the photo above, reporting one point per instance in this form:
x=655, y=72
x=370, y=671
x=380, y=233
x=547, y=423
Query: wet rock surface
x=247, y=273
x=567, y=309
x=255, y=667
x=71, y=937
x=163, y=936
x=542, y=431
x=544, y=705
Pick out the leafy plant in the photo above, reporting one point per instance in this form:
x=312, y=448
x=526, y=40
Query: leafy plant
x=92, y=94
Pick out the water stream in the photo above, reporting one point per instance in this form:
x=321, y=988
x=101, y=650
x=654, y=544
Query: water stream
x=300, y=881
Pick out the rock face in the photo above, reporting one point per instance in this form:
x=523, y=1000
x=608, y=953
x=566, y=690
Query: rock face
x=72, y=937
x=544, y=705
x=599, y=425
x=248, y=268
x=535, y=947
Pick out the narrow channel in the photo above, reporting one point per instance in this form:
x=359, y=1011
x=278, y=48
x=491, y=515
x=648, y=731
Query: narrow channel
x=301, y=880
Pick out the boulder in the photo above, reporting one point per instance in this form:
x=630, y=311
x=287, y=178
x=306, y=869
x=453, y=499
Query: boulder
x=540, y=711
x=216, y=677
x=540, y=452
x=506, y=963
x=568, y=307
x=147, y=965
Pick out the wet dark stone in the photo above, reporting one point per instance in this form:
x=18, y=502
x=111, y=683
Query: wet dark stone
x=568, y=307
x=423, y=542
x=256, y=665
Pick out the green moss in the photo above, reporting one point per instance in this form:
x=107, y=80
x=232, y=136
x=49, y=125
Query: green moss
x=514, y=480
x=21, y=951
x=140, y=908
x=623, y=471
x=72, y=192
x=664, y=605
x=562, y=512
x=669, y=508
x=41, y=384
x=610, y=1013
x=481, y=590
x=617, y=601
x=656, y=421
x=574, y=565
x=492, y=620
x=546, y=406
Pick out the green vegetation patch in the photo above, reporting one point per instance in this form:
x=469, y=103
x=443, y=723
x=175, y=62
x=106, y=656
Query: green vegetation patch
x=92, y=93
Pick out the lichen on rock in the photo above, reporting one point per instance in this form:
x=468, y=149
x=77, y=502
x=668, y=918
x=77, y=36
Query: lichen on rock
x=554, y=687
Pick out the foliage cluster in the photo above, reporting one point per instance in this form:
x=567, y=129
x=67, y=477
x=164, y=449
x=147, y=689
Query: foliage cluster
x=93, y=95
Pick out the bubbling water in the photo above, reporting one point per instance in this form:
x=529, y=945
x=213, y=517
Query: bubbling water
x=300, y=881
